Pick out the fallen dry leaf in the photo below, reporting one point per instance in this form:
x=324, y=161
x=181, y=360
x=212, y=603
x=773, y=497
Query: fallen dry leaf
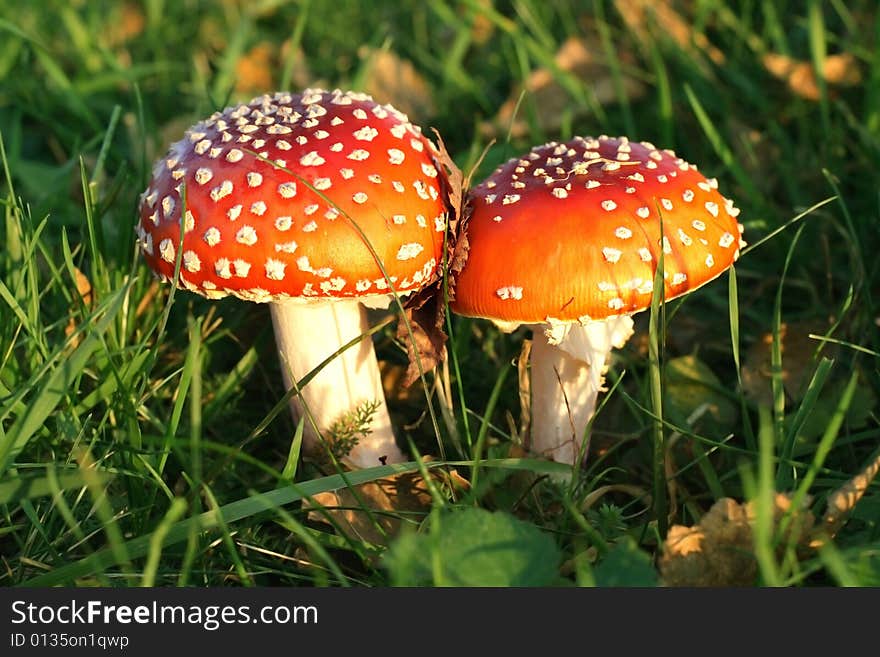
x=258, y=70
x=797, y=350
x=129, y=24
x=719, y=550
x=577, y=57
x=651, y=18
x=425, y=310
x=392, y=501
x=84, y=288
x=391, y=79
x=800, y=76
x=253, y=71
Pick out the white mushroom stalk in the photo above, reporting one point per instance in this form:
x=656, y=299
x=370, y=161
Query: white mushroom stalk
x=351, y=379
x=568, y=364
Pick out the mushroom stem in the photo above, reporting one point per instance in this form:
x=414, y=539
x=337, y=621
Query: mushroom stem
x=305, y=335
x=567, y=375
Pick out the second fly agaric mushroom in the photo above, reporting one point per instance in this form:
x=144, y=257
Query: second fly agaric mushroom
x=280, y=199
x=566, y=239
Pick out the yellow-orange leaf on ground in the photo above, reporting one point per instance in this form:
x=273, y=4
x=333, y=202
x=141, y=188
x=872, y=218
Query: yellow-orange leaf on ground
x=258, y=70
x=389, y=78
x=719, y=550
x=84, y=288
x=658, y=16
x=800, y=76
x=392, y=501
x=797, y=350
x=577, y=57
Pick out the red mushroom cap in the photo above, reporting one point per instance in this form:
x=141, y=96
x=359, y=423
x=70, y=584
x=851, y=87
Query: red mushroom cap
x=257, y=179
x=572, y=232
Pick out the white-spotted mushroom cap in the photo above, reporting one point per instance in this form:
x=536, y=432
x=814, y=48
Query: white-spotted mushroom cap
x=571, y=232
x=268, y=187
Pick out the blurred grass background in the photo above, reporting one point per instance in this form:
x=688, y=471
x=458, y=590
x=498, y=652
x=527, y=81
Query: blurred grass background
x=127, y=421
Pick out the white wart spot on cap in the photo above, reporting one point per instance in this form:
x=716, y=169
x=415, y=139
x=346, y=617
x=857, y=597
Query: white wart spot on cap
x=726, y=240
x=622, y=232
x=396, y=156
x=367, y=133
x=242, y=267
x=644, y=212
x=684, y=238
x=311, y=159
x=645, y=254
x=608, y=205
x=688, y=195
x=212, y=236
x=321, y=184
x=616, y=303
x=409, y=251
x=710, y=261
x=678, y=278
x=429, y=170
x=286, y=247
x=222, y=190
x=275, y=269
x=610, y=254
x=203, y=175
x=287, y=189
x=258, y=208
x=358, y=155
x=360, y=197
x=254, y=179
x=221, y=268
x=168, y=205
x=311, y=209
x=509, y=199
x=191, y=261
x=509, y=292
x=712, y=208
x=234, y=155
x=698, y=225
x=234, y=212
x=283, y=223
x=166, y=250
x=246, y=235
x=666, y=203
x=560, y=192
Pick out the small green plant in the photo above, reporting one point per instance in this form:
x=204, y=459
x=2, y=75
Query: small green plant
x=353, y=425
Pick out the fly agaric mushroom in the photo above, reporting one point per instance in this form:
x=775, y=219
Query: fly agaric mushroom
x=566, y=239
x=281, y=197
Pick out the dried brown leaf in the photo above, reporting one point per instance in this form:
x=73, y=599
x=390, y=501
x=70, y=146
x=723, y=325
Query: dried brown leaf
x=797, y=350
x=425, y=310
x=800, y=76
x=648, y=19
x=392, y=79
x=392, y=501
x=719, y=551
x=84, y=288
x=575, y=57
